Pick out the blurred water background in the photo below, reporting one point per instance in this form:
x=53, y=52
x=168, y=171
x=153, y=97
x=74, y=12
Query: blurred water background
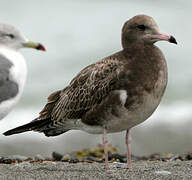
x=79, y=32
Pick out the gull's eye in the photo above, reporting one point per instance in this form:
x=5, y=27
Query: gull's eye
x=10, y=35
x=141, y=27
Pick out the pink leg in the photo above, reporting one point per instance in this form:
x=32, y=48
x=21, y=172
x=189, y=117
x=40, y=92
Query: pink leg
x=128, y=143
x=105, y=142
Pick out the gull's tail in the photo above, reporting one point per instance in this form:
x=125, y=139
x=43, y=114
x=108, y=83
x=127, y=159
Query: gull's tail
x=44, y=125
x=32, y=126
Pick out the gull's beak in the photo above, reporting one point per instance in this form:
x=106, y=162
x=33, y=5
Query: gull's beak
x=34, y=45
x=165, y=37
x=172, y=40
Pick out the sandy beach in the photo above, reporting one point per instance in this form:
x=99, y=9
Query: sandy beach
x=141, y=170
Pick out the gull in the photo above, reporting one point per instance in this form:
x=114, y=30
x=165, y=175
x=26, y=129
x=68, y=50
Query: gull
x=13, y=70
x=113, y=94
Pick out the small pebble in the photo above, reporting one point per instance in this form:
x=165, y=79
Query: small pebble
x=74, y=161
x=39, y=157
x=116, y=156
x=120, y=165
x=49, y=162
x=177, y=164
x=178, y=160
x=57, y=156
x=189, y=156
x=6, y=160
x=163, y=172
x=66, y=157
x=73, y=158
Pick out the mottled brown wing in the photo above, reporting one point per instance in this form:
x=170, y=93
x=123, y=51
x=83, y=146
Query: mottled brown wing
x=87, y=89
x=51, y=100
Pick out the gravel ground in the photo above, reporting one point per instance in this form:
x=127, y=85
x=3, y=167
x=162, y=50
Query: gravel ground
x=141, y=170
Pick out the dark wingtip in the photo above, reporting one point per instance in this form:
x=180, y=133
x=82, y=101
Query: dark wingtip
x=172, y=40
x=7, y=133
x=13, y=131
x=36, y=124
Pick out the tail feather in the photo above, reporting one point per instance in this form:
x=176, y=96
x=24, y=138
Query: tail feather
x=45, y=126
x=32, y=126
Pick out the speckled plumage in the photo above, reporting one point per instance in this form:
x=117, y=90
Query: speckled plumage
x=113, y=94
x=92, y=94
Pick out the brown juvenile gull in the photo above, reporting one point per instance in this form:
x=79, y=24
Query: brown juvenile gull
x=113, y=94
x=13, y=69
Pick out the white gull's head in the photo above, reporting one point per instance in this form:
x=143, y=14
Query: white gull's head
x=11, y=37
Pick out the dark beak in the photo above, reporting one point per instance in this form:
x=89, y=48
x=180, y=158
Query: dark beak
x=172, y=40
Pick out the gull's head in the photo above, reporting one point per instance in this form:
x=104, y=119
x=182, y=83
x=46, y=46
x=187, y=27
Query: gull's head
x=143, y=29
x=11, y=37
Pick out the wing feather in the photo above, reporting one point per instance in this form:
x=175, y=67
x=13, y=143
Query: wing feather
x=86, y=90
x=8, y=87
